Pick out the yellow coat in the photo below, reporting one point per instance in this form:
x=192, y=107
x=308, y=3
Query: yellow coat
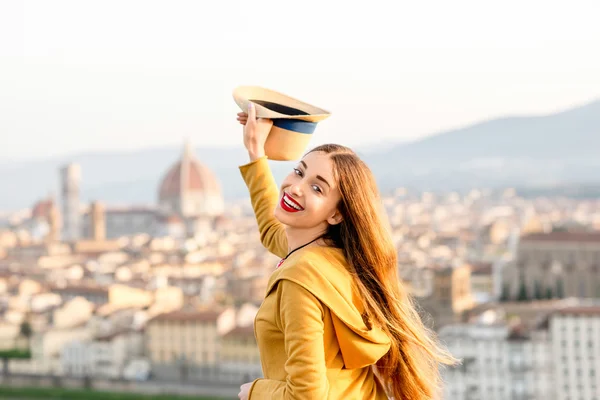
x=312, y=340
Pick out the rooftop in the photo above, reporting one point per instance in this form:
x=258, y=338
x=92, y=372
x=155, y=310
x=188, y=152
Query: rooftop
x=189, y=316
x=240, y=332
x=585, y=237
x=580, y=310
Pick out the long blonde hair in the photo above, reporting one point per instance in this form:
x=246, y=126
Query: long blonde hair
x=411, y=368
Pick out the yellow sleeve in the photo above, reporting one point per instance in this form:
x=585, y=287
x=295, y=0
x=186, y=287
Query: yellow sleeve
x=301, y=319
x=264, y=195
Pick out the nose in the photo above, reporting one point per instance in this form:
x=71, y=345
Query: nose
x=295, y=190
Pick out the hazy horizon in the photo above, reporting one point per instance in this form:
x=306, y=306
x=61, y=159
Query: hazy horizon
x=372, y=145
x=123, y=76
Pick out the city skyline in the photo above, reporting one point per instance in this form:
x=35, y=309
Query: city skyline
x=103, y=303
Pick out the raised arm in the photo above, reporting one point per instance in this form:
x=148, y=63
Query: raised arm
x=301, y=319
x=264, y=193
x=264, y=196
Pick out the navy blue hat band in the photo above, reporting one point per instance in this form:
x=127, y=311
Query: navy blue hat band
x=295, y=125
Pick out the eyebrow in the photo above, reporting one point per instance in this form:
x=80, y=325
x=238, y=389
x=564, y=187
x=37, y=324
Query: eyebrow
x=318, y=176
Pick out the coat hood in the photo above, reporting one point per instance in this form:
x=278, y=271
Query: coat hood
x=322, y=271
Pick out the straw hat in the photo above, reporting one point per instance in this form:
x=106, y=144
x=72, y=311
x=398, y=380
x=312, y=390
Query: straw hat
x=294, y=121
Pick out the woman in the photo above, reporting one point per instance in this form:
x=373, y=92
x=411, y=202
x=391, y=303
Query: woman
x=335, y=322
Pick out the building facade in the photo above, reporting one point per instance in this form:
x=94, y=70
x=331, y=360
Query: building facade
x=554, y=265
x=71, y=215
x=184, y=345
x=104, y=357
x=240, y=358
x=576, y=352
x=500, y=362
x=554, y=357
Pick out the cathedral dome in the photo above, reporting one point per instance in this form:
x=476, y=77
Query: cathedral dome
x=43, y=208
x=189, y=188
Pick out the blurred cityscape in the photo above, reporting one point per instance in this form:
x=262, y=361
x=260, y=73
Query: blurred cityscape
x=140, y=295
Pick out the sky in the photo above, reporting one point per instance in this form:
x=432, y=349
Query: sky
x=81, y=76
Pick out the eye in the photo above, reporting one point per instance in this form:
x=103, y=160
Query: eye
x=297, y=172
x=317, y=189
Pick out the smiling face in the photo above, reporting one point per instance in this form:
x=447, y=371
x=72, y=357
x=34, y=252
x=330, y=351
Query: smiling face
x=309, y=195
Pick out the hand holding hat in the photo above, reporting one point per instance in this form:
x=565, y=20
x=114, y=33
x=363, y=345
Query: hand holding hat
x=256, y=132
x=290, y=122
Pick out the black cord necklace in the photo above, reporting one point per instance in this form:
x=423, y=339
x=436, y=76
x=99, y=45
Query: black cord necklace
x=297, y=248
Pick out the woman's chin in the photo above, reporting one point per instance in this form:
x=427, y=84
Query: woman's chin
x=283, y=216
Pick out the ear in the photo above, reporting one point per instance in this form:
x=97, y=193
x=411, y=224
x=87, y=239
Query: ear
x=335, y=219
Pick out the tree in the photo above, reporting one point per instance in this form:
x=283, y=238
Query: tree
x=25, y=331
x=184, y=368
x=7, y=355
x=537, y=291
x=560, y=289
x=522, y=296
x=56, y=381
x=18, y=353
x=549, y=293
x=87, y=381
x=505, y=295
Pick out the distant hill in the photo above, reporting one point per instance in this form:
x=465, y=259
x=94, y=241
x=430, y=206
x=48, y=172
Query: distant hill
x=561, y=148
x=524, y=151
x=571, y=133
